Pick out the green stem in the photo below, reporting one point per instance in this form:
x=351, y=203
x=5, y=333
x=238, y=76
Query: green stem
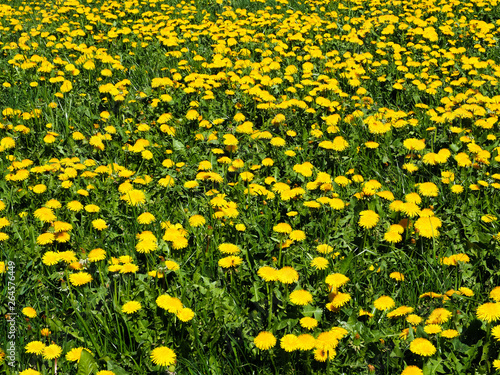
x=270, y=302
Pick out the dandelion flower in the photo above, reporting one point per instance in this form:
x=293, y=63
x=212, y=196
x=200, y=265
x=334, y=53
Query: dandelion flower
x=489, y=312
x=163, y=356
x=288, y=275
x=230, y=261
x=432, y=329
x=400, y=311
x=322, y=355
x=45, y=332
x=412, y=370
x=340, y=299
x=308, y=323
x=306, y=342
x=146, y=218
x=68, y=256
x=414, y=319
x=298, y=235
x=45, y=214
x=45, y=238
x=392, y=237
x=74, y=206
x=80, y=278
x=496, y=364
x=301, y=297
x=131, y=307
x=52, y=351
x=336, y=280
x=99, y=224
x=282, y=228
x=134, y=197
x=185, y=314
x=129, y=268
x=439, y=316
x=289, y=343
x=264, y=340
x=30, y=372
x=495, y=294
x=327, y=340
x=422, y=347
x=96, y=255
x=368, y=219
x=229, y=248
x=74, y=354
x=450, y=333
x=428, y=226
x=324, y=248
x=50, y=258
x=30, y=312
x=384, y=303
x=397, y=276
x=35, y=347
x=268, y=273
x=196, y=221
x=168, y=303
x=92, y=208
x=320, y=263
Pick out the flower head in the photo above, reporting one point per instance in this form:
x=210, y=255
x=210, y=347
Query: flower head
x=384, y=303
x=74, y=354
x=336, y=280
x=368, y=219
x=163, y=356
x=131, y=307
x=301, y=297
x=35, y=347
x=308, y=322
x=230, y=261
x=30, y=312
x=264, y=340
x=268, y=273
x=422, y=347
x=52, y=351
x=489, y=312
x=412, y=370
x=288, y=275
x=289, y=343
x=80, y=278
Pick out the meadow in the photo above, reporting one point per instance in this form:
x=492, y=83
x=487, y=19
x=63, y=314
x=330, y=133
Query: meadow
x=249, y=187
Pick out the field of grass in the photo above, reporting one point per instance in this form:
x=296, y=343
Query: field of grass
x=249, y=187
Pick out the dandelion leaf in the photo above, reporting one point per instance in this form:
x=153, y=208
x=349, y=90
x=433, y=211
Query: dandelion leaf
x=87, y=364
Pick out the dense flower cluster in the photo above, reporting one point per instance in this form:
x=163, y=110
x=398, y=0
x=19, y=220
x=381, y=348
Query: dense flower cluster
x=313, y=176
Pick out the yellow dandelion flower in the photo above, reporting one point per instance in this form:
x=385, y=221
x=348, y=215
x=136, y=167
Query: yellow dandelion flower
x=308, y=323
x=80, y=278
x=301, y=297
x=163, y=356
x=35, y=347
x=384, y=303
x=489, y=312
x=368, y=219
x=52, y=351
x=265, y=340
x=422, y=347
x=30, y=312
x=289, y=343
x=288, y=275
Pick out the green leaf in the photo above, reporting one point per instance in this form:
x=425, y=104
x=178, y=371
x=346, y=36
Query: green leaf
x=87, y=364
x=112, y=366
x=313, y=310
x=177, y=145
x=433, y=366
